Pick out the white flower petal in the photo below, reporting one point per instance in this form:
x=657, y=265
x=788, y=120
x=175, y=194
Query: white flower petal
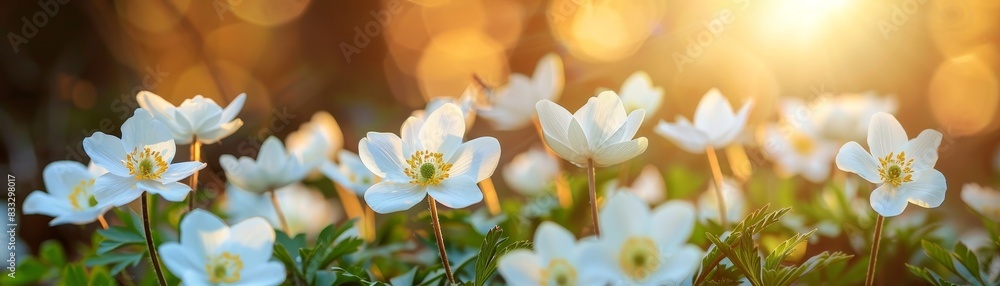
x=179, y=260
x=714, y=115
x=81, y=217
x=155, y=104
x=39, y=202
x=554, y=120
x=852, y=158
x=578, y=139
x=142, y=130
x=408, y=134
x=272, y=157
x=264, y=274
x=106, y=151
x=548, y=79
x=174, y=191
x=553, y=241
x=477, y=158
x=923, y=150
x=684, y=135
x=222, y=131
x=521, y=267
x=677, y=266
x=627, y=130
x=62, y=176
x=624, y=215
x=885, y=135
x=234, y=107
x=736, y=128
x=177, y=171
x=444, y=129
x=456, y=193
x=926, y=190
x=243, y=173
x=600, y=117
x=202, y=232
x=381, y=154
x=388, y=196
x=887, y=201
x=256, y=238
x=674, y=223
x=619, y=152
x=564, y=151
x=115, y=190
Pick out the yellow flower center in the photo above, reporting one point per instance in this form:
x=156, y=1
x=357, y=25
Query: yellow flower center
x=224, y=268
x=895, y=169
x=81, y=193
x=145, y=164
x=427, y=168
x=559, y=273
x=639, y=257
x=802, y=144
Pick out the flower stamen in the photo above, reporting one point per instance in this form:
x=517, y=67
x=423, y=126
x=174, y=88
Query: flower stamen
x=895, y=170
x=427, y=168
x=81, y=192
x=639, y=257
x=559, y=273
x=224, y=268
x=145, y=164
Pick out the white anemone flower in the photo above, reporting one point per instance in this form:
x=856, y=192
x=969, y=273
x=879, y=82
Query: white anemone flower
x=648, y=186
x=642, y=247
x=708, y=206
x=984, y=200
x=429, y=159
x=599, y=132
x=212, y=253
x=306, y=209
x=70, y=194
x=466, y=102
x=317, y=140
x=555, y=260
x=531, y=172
x=196, y=118
x=840, y=117
x=274, y=168
x=638, y=92
x=797, y=151
x=139, y=161
x=715, y=124
x=513, y=104
x=350, y=172
x=903, y=169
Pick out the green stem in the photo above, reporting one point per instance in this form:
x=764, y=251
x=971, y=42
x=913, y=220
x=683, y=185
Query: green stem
x=440, y=240
x=591, y=181
x=149, y=240
x=870, y=279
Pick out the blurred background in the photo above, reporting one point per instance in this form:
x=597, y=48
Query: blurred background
x=71, y=69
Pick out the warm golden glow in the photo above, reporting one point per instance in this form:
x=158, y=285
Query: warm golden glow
x=559, y=273
x=81, y=194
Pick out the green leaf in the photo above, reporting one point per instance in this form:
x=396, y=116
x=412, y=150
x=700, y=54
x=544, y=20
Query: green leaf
x=939, y=254
x=929, y=276
x=785, y=249
x=100, y=277
x=492, y=249
x=73, y=275
x=970, y=262
x=118, y=261
x=52, y=253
